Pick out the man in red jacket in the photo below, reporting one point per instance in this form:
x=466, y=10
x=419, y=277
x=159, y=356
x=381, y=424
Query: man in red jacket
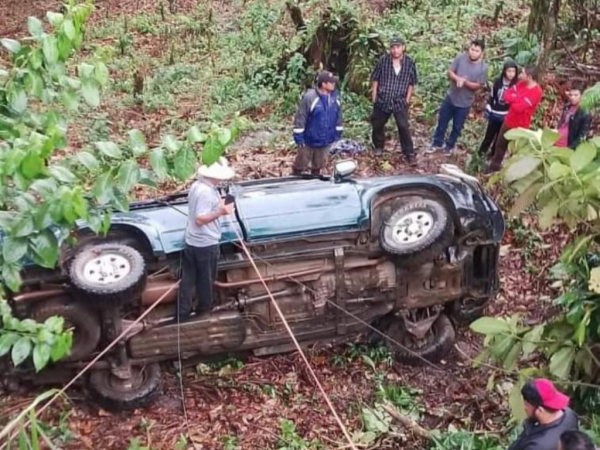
x=523, y=99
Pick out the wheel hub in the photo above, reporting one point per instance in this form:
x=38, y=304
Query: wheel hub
x=106, y=269
x=412, y=227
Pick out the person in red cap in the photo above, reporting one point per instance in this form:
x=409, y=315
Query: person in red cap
x=548, y=416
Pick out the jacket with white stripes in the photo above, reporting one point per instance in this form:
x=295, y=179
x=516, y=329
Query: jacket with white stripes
x=318, y=121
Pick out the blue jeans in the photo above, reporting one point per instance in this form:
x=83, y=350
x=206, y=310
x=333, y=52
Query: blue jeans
x=458, y=116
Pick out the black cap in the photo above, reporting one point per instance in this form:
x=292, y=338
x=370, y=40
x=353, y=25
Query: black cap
x=326, y=77
x=396, y=40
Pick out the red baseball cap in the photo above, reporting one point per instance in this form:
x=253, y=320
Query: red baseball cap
x=542, y=392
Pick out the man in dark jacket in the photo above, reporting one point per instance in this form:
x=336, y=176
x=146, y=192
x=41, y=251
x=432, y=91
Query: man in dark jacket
x=548, y=416
x=575, y=440
x=496, y=108
x=318, y=124
x=392, y=84
x=574, y=122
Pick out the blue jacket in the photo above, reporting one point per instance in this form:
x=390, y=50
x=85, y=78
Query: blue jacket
x=318, y=121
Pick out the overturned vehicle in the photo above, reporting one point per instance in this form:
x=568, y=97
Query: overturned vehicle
x=411, y=256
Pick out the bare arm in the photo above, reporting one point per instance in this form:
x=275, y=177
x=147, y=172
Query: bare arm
x=452, y=76
x=222, y=210
x=472, y=85
x=409, y=94
x=374, y=86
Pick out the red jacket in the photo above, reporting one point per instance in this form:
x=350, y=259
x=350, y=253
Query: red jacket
x=522, y=102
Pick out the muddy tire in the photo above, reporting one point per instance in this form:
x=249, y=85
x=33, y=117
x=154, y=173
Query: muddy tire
x=467, y=310
x=417, y=232
x=436, y=345
x=84, y=321
x=109, y=273
x=113, y=394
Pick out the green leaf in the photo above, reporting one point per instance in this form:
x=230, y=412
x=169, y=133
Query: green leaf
x=137, y=142
x=158, y=162
x=184, y=163
x=45, y=186
x=50, y=49
x=54, y=18
x=101, y=73
x=91, y=93
x=41, y=356
x=61, y=173
x=525, y=199
x=523, y=133
x=584, y=154
x=61, y=346
x=69, y=29
x=547, y=215
x=521, y=168
x=170, y=143
x=11, y=45
x=128, y=175
x=69, y=99
x=515, y=402
x=558, y=170
x=45, y=247
x=108, y=148
x=549, y=137
x=88, y=160
x=36, y=59
x=85, y=70
x=17, y=99
x=35, y=27
x=211, y=151
x=511, y=357
x=490, y=325
x=23, y=227
x=21, y=350
x=147, y=178
x=102, y=189
x=13, y=249
x=6, y=342
x=32, y=164
x=561, y=362
x=531, y=340
x=224, y=136
x=195, y=135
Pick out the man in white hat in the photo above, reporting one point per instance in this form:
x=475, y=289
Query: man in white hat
x=202, y=235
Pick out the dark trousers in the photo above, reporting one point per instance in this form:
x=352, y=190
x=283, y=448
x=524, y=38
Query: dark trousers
x=198, y=272
x=500, y=149
x=378, y=120
x=491, y=134
x=458, y=116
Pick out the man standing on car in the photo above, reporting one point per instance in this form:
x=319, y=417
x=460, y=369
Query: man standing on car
x=392, y=84
x=318, y=124
x=547, y=416
x=467, y=74
x=202, y=235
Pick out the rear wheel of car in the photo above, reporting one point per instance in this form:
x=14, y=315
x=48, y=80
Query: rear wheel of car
x=110, y=273
x=84, y=322
x=417, y=232
x=115, y=394
x=434, y=346
x=468, y=309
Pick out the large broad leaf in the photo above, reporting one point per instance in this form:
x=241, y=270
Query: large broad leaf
x=50, y=49
x=158, y=162
x=584, y=154
x=17, y=99
x=212, y=150
x=524, y=183
x=54, y=18
x=88, y=160
x=41, y=356
x=558, y=170
x=109, y=149
x=561, y=362
x=21, y=350
x=548, y=213
x=531, y=340
x=11, y=45
x=69, y=98
x=32, y=164
x=6, y=342
x=13, y=249
x=85, y=70
x=45, y=186
x=515, y=402
x=91, y=93
x=62, y=174
x=549, y=137
x=490, y=325
x=45, y=248
x=69, y=29
x=102, y=189
x=525, y=199
x=137, y=142
x=512, y=357
x=170, y=143
x=195, y=135
x=128, y=175
x=101, y=73
x=521, y=168
x=35, y=27
x=224, y=136
x=518, y=133
x=184, y=163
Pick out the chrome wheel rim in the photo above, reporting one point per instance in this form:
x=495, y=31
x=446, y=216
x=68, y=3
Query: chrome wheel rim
x=106, y=269
x=412, y=227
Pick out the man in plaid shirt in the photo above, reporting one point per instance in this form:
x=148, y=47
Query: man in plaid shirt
x=392, y=84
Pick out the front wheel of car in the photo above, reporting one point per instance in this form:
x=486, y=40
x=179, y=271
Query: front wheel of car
x=115, y=394
x=417, y=232
x=468, y=309
x=434, y=346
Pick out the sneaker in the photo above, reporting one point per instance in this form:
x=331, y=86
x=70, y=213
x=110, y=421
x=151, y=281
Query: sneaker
x=432, y=148
x=377, y=152
x=412, y=160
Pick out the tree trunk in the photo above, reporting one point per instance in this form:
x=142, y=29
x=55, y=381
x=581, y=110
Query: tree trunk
x=546, y=33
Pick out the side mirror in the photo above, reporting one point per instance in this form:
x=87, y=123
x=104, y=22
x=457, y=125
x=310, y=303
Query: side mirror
x=344, y=168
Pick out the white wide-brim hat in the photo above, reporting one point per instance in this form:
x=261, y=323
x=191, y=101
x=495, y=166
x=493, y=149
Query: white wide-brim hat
x=219, y=170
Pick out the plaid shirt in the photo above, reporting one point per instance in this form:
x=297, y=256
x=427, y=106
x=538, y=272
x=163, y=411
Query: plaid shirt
x=392, y=88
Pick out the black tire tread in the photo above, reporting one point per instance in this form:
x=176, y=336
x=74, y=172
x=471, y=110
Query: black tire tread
x=429, y=248
x=119, y=401
x=462, y=317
